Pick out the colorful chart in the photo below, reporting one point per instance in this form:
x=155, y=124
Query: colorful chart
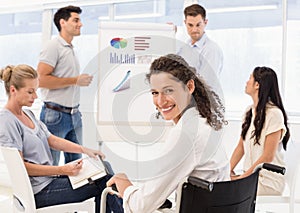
x=118, y=43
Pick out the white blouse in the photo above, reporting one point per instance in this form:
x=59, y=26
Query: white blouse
x=191, y=148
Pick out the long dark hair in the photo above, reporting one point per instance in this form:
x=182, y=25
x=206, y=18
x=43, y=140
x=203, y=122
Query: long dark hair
x=268, y=93
x=207, y=102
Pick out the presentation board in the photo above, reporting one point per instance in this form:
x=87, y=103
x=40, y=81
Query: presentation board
x=126, y=51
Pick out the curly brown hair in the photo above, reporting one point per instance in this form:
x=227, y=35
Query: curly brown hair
x=206, y=101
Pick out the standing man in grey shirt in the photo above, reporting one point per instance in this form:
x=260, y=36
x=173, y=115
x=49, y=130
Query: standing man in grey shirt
x=60, y=81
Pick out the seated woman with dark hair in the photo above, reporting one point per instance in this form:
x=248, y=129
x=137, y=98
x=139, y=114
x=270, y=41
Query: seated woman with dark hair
x=264, y=131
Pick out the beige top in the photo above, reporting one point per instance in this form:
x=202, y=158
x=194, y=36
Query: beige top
x=274, y=121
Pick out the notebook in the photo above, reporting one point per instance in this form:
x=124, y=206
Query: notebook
x=92, y=169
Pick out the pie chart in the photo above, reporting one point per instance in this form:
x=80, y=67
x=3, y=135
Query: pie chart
x=118, y=43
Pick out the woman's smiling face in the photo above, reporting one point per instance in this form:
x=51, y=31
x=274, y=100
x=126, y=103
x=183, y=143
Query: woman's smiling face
x=170, y=96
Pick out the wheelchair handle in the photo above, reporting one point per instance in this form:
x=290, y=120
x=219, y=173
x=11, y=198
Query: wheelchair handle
x=204, y=184
x=274, y=168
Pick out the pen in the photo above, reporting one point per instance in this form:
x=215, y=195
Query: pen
x=78, y=162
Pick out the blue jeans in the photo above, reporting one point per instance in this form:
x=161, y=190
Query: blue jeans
x=64, y=125
x=60, y=191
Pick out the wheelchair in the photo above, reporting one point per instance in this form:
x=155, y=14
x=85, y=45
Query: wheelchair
x=196, y=195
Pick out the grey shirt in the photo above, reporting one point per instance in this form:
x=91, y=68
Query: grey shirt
x=61, y=56
x=33, y=143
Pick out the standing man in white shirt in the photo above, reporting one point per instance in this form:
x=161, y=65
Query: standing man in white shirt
x=200, y=51
x=60, y=81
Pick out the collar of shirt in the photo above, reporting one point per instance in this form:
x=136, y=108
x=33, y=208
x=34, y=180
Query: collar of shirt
x=188, y=114
x=63, y=42
x=200, y=42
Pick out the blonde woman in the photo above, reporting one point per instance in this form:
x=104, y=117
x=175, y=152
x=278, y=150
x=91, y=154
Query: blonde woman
x=19, y=128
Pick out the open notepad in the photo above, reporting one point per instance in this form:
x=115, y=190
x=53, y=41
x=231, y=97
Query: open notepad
x=92, y=169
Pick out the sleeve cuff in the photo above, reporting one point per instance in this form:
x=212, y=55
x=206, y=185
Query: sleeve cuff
x=127, y=193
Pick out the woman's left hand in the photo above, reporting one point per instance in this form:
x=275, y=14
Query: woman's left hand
x=91, y=152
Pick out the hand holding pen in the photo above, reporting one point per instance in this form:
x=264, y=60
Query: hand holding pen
x=72, y=168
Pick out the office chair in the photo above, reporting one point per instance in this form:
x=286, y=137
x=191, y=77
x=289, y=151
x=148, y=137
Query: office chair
x=200, y=196
x=23, y=198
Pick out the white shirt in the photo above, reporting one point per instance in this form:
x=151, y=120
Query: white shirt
x=192, y=148
x=274, y=121
x=207, y=58
x=204, y=53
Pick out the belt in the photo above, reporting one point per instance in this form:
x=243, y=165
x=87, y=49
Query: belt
x=69, y=110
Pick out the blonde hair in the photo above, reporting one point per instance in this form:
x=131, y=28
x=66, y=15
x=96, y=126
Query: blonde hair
x=15, y=75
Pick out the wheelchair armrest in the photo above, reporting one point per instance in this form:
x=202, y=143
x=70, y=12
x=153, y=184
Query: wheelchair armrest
x=270, y=167
x=204, y=184
x=104, y=193
x=274, y=168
